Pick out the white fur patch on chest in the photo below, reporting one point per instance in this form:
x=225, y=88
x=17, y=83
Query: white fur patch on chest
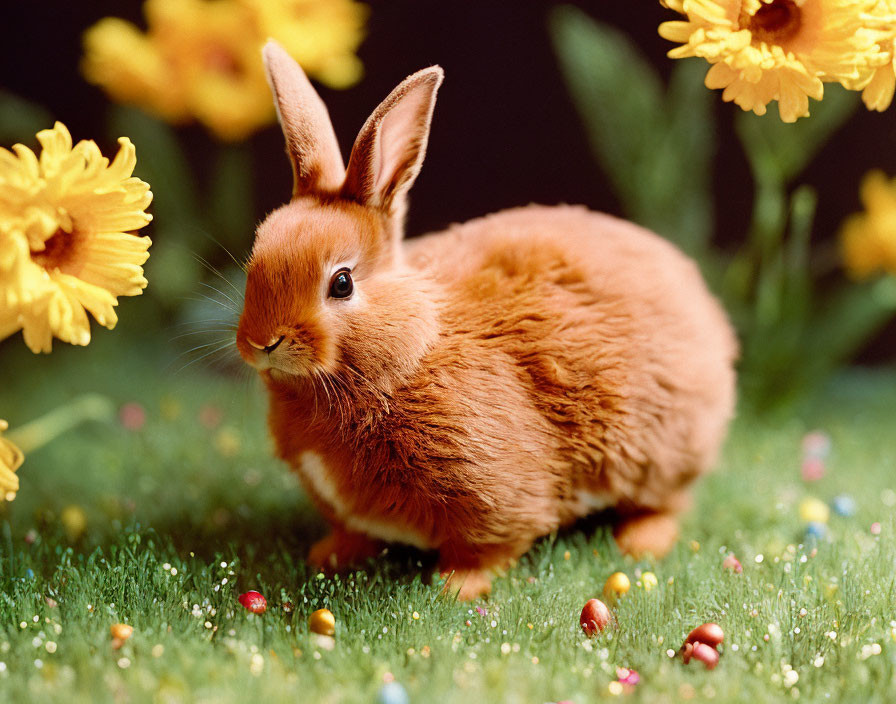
x=314, y=471
x=587, y=502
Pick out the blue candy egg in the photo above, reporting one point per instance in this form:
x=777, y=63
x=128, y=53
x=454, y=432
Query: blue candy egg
x=29, y=573
x=843, y=505
x=815, y=531
x=393, y=693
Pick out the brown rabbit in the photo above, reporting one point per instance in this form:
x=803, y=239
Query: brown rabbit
x=472, y=390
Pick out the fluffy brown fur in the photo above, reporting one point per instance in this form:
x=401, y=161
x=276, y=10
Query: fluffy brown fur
x=485, y=385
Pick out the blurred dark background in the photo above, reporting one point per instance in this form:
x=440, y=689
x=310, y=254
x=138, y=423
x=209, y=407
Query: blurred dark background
x=505, y=132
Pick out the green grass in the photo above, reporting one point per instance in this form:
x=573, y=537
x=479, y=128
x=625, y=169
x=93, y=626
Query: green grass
x=175, y=521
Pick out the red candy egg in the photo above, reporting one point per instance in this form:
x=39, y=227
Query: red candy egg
x=595, y=617
x=706, y=654
x=709, y=633
x=254, y=602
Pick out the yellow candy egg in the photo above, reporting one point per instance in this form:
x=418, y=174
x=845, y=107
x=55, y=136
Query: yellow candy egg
x=322, y=622
x=649, y=581
x=814, y=510
x=617, y=585
x=74, y=520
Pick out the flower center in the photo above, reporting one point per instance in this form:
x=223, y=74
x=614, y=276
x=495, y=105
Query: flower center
x=220, y=60
x=58, y=250
x=775, y=22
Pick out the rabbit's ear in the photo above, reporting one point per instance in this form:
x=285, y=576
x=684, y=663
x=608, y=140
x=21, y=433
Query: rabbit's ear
x=310, y=141
x=390, y=148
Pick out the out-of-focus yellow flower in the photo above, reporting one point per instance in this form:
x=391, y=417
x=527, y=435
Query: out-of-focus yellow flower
x=878, y=93
x=868, y=239
x=321, y=35
x=201, y=59
x=11, y=459
x=64, y=243
x=765, y=50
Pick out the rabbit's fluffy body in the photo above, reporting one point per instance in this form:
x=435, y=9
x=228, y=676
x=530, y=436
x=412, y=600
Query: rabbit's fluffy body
x=485, y=385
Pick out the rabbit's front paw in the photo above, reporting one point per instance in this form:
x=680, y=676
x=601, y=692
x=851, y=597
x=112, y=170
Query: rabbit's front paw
x=342, y=549
x=467, y=584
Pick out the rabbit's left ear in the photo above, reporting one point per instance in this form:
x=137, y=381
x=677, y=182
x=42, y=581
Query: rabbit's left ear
x=390, y=148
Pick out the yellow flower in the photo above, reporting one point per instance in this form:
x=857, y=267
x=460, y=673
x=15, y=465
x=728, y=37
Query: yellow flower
x=11, y=459
x=321, y=36
x=64, y=243
x=868, y=239
x=201, y=59
x=878, y=93
x=765, y=50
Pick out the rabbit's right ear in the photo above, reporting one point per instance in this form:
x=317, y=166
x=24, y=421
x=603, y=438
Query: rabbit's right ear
x=310, y=141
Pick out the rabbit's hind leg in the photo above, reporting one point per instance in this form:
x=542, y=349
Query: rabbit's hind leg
x=651, y=533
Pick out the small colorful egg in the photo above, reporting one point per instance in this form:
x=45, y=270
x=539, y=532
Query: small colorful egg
x=595, y=617
x=393, y=693
x=29, y=573
x=649, y=581
x=121, y=631
x=318, y=640
x=254, y=602
x=170, y=408
x=875, y=528
x=227, y=442
x=706, y=654
x=816, y=531
x=627, y=677
x=323, y=622
x=812, y=469
x=74, y=520
x=816, y=444
x=132, y=416
x=210, y=416
x=732, y=563
x=844, y=505
x=617, y=585
x=709, y=633
x=814, y=510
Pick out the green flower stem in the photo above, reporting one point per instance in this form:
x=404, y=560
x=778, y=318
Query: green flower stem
x=39, y=432
x=766, y=235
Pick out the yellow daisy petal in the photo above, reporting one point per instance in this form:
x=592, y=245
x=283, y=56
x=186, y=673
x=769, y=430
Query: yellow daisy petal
x=11, y=459
x=878, y=94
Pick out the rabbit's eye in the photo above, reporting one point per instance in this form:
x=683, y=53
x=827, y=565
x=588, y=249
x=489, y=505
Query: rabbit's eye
x=341, y=285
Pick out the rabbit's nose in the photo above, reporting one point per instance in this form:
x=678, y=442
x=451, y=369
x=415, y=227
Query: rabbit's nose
x=270, y=347
x=274, y=344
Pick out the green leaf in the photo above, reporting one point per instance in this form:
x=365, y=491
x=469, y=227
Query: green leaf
x=21, y=119
x=617, y=93
x=847, y=320
x=644, y=138
x=682, y=208
x=780, y=151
